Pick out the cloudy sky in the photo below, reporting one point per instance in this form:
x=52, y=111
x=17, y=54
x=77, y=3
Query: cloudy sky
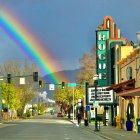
x=67, y=27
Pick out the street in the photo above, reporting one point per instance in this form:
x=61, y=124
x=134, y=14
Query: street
x=45, y=128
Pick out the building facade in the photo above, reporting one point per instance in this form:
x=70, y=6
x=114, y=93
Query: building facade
x=108, y=37
x=128, y=89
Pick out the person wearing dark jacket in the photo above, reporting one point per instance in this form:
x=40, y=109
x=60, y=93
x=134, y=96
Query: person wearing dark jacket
x=79, y=117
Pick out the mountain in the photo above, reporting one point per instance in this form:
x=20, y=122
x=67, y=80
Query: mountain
x=71, y=78
x=70, y=74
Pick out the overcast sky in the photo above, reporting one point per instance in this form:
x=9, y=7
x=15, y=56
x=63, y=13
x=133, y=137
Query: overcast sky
x=67, y=27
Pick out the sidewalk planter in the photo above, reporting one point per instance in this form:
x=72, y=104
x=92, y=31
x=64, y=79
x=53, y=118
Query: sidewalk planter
x=129, y=125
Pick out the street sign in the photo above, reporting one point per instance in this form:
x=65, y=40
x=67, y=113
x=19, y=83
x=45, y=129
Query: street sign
x=88, y=108
x=95, y=103
x=51, y=87
x=71, y=84
x=22, y=81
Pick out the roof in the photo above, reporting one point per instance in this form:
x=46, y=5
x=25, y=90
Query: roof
x=132, y=54
x=127, y=85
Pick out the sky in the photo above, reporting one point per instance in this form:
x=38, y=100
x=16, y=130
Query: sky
x=66, y=28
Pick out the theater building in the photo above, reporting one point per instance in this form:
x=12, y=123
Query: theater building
x=108, y=36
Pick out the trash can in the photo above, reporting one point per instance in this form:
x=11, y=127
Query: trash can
x=86, y=122
x=129, y=125
x=138, y=125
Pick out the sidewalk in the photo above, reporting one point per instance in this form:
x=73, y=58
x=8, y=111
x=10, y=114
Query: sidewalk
x=110, y=132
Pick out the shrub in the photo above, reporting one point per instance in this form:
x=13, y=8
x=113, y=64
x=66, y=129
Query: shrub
x=28, y=113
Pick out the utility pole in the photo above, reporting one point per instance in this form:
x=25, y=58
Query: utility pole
x=73, y=103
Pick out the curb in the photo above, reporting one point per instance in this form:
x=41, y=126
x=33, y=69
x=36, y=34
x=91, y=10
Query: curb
x=97, y=133
x=92, y=130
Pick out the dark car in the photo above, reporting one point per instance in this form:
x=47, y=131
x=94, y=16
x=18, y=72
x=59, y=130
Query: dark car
x=59, y=114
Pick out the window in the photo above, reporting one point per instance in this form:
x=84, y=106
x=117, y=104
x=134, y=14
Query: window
x=108, y=23
x=129, y=73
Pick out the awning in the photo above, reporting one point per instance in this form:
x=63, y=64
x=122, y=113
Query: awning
x=124, y=86
x=131, y=93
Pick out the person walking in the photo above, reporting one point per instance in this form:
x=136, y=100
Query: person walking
x=79, y=117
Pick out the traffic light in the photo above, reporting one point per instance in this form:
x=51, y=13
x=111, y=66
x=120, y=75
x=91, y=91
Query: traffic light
x=9, y=78
x=63, y=85
x=40, y=83
x=35, y=76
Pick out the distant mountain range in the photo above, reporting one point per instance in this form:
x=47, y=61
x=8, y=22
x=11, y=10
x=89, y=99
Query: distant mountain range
x=70, y=74
x=71, y=77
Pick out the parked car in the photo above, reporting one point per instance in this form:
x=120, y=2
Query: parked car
x=71, y=115
x=59, y=114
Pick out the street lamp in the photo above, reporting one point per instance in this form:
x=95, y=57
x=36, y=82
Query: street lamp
x=0, y=102
x=73, y=103
x=95, y=79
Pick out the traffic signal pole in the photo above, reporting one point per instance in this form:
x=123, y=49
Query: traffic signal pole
x=73, y=103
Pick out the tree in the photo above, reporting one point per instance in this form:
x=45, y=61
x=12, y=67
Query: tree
x=88, y=67
x=25, y=92
x=10, y=96
x=64, y=97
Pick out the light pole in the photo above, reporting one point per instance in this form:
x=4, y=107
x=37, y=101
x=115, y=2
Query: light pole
x=0, y=103
x=73, y=103
x=95, y=79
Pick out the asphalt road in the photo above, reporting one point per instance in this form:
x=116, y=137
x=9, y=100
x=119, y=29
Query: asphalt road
x=45, y=128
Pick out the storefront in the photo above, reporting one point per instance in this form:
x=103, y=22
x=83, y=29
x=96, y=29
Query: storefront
x=128, y=90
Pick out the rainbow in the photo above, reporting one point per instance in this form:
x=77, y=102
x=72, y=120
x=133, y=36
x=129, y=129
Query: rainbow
x=29, y=44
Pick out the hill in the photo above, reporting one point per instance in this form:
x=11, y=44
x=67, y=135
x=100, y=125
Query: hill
x=71, y=77
x=70, y=74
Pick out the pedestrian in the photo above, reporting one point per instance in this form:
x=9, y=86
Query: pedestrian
x=79, y=117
